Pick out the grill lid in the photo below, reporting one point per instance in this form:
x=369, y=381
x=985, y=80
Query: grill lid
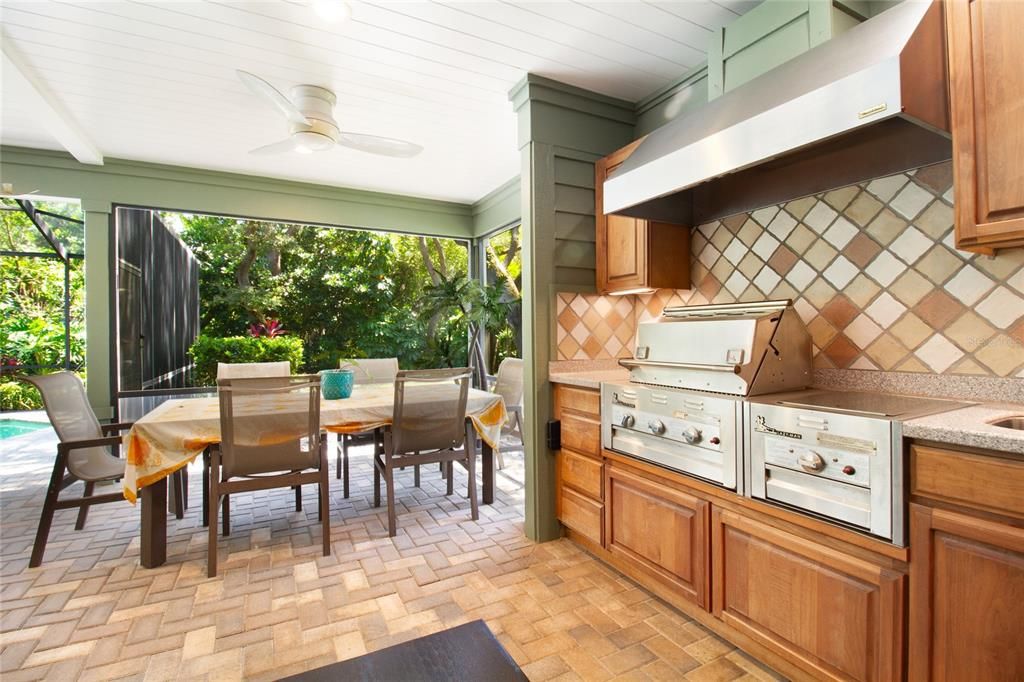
x=738, y=349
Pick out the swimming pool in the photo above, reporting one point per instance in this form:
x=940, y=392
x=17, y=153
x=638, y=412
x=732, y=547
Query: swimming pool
x=9, y=428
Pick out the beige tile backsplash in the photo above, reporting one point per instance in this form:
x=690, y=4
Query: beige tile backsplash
x=871, y=269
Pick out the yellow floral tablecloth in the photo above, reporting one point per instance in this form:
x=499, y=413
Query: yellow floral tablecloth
x=173, y=434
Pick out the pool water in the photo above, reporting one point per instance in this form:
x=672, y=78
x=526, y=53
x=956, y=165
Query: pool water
x=9, y=428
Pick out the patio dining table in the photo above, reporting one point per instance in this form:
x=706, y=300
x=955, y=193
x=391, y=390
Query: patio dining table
x=175, y=433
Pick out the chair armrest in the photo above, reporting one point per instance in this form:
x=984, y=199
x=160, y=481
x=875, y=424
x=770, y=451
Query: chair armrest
x=69, y=445
x=120, y=426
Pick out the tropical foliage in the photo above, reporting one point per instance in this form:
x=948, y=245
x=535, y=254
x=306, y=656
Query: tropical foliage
x=207, y=351
x=32, y=301
x=342, y=293
x=505, y=268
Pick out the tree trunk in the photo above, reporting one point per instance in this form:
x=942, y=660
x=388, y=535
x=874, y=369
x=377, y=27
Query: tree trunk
x=245, y=267
x=442, y=264
x=427, y=262
x=477, y=363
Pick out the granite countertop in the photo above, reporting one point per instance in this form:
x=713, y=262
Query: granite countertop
x=970, y=426
x=588, y=378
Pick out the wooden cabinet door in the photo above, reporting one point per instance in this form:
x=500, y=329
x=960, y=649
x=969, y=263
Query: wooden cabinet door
x=621, y=242
x=838, y=616
x=986, y=88
x=966, y=598
x=658, y=530
x=624, y=253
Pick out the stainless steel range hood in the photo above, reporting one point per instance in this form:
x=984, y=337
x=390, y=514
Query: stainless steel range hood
x=868, y=103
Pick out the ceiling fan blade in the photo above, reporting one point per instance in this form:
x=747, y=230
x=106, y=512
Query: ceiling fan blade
x=286, y=145
x=264, y=89
x=373, y=144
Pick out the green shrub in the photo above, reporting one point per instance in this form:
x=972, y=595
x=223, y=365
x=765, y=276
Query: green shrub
x=207, y=351
x=17, y=395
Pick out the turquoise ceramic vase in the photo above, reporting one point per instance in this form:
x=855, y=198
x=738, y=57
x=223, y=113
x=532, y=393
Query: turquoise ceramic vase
x=336, y=384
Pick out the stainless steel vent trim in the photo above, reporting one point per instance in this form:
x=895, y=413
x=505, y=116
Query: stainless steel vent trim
x=851, y=82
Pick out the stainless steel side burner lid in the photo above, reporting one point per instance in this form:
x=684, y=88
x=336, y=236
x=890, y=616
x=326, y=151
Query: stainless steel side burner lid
x=739, y=349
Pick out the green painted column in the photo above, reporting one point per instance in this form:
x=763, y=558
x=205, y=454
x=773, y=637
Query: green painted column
x=98, y=305
x=562, y=131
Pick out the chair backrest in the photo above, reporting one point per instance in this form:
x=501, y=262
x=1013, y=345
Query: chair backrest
x=71, y=415
x=252, y=370
x=509, y=384
x=430, y=410
x=67, y=406
x=373, y=370
x=269, y=428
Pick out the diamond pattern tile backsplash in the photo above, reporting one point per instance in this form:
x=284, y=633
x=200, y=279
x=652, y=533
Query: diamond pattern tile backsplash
x=871, y=269
x=591, y=327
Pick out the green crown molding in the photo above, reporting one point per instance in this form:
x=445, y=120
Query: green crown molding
x=672, y=89
x=533, y=88
x=139, y=183
x=500, y=207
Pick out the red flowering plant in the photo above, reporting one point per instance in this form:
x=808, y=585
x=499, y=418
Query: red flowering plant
x=270, y=328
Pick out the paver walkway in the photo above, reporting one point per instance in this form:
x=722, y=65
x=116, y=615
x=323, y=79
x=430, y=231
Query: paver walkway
x=279, y=607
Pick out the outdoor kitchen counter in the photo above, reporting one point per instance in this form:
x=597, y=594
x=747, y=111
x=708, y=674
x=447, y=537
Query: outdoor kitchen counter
x=971, y=426
x=588, y=379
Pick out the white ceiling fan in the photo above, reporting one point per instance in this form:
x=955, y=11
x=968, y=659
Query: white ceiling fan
x=312, y=127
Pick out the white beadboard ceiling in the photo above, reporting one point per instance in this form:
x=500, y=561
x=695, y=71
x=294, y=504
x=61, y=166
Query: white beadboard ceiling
x=155, y=81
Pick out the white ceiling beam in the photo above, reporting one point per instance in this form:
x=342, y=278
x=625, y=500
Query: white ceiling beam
x=42, y=103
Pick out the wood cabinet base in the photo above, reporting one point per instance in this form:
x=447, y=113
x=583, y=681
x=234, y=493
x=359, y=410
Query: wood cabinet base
x=967, y=587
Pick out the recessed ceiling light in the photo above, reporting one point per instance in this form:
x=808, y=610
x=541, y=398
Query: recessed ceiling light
x=332, y=10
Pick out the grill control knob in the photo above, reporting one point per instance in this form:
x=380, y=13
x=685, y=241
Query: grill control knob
x=849, y=470
x=656, y=427
x=628, y=420
x=691, y=435
x=811, y=461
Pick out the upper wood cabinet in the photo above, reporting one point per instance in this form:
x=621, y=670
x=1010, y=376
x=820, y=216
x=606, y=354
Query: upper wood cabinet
x=986, y=89
x=635, y=254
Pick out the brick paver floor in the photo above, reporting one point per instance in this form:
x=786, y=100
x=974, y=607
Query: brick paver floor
x=279, y=607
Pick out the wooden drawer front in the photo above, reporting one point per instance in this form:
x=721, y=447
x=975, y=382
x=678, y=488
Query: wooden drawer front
x=838, y=616
x=581, y=434
x=659, y=530
x=582, y=473
x=987, y=483
x=582, y=514
x=966, y=590
x=583, y=400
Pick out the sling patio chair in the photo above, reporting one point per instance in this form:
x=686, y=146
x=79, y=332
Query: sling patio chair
x=366, y=371
x=509, y=385
x=429, y=426
x=82, y=454
x=270, y=438
x=273, y=372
